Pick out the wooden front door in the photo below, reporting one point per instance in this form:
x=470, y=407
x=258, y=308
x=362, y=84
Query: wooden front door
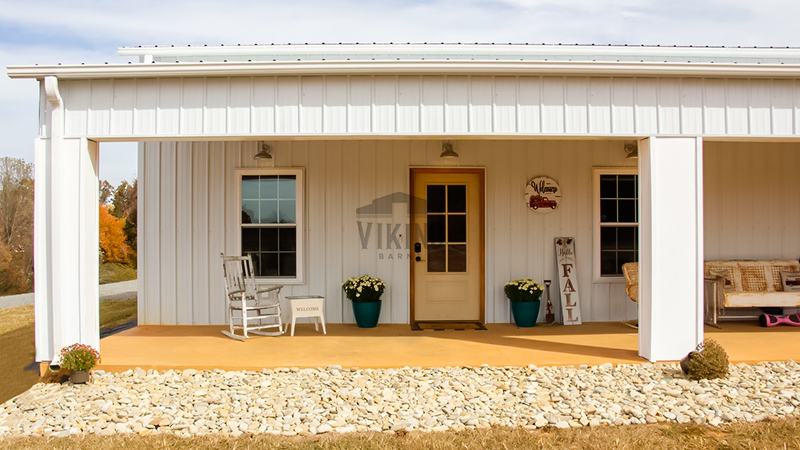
x=447, y=259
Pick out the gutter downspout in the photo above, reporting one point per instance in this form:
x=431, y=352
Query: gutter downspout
x=44, y=309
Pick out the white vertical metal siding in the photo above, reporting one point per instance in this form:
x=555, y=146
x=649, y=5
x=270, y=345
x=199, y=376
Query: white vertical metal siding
x=403, y=105
x=750, y=200
x=189, y=217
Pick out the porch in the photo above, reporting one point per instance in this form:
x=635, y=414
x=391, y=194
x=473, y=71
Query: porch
x=717, y=161
x=593, y=343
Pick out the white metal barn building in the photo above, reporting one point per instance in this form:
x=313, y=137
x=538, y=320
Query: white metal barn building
x=353, y=129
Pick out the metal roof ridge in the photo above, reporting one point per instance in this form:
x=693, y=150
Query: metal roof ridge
x=503, y=50
x=465, y=44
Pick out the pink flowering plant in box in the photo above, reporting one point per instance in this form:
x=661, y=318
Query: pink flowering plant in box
x=365, y=288
x=79, y=357
x=523, y=290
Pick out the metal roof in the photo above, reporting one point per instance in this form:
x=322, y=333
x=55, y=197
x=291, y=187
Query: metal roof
x=441, y=59
x=463, y=52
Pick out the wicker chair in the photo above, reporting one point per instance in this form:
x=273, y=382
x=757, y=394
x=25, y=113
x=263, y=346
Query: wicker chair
x=631, y=273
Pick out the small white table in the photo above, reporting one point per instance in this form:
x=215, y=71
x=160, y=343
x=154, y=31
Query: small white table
x=307, y=306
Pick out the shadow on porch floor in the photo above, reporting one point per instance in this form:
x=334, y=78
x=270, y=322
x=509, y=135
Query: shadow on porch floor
x=204, y=347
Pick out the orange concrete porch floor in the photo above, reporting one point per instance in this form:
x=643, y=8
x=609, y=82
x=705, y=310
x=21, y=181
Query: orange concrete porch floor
x=204, y=347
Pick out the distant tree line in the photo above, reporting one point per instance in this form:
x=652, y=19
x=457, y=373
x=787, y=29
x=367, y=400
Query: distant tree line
x=16, y=226
x=117, y=224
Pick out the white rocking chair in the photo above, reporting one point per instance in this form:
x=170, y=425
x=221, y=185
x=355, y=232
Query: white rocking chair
x=250, y=309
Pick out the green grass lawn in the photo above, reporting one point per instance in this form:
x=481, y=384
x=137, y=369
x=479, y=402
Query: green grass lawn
x=17, y=349
x=772, y=435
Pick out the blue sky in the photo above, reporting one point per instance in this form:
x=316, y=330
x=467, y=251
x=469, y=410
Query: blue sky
x=48, y=32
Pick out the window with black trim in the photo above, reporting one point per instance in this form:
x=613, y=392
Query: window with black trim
x=271, y=211
x=617, y=203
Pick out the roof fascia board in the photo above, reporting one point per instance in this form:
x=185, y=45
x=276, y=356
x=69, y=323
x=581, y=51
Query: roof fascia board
x=644, y=69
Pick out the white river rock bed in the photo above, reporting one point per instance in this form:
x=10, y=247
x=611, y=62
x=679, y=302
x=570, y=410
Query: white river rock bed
x=295, y=401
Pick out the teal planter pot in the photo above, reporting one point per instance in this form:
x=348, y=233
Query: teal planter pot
x=367, y=313
x=525, y=313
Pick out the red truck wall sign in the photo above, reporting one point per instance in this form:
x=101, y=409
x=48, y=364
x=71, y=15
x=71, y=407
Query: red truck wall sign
x=542, y=194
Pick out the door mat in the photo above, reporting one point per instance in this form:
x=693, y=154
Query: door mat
x=440, y=326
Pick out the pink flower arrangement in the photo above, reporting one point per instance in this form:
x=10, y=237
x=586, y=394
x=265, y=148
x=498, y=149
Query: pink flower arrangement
x=79, y=357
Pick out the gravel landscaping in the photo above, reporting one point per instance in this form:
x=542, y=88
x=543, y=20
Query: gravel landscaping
x=295, y=401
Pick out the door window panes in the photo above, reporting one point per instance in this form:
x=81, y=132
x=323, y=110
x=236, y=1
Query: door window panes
x=447, y=228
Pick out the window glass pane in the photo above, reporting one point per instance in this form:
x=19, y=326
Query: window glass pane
x=287, y=239
x=626, y=238
x=627, y=211
x=256, y=257
x=250, y=241
x=608, y=210
x=269, y=239
x=436, y=198
x=608, y=238
x=269, y=211
x=436, y=255
x=436, y=228
x=286, y=187
x=623, y=258
x=457, y=258
x=608, y=186
x=457, y=198
x=269, y=265
x=250, y=211
x=270, y=199
x=250, y=187
x=457, y=228
x=269, y=187
x=287, y=211
x=288, y=264
x=618, y=204
x=627, y=186
x=608, y=263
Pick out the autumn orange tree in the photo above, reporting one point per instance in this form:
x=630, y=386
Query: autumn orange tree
x=113, y=247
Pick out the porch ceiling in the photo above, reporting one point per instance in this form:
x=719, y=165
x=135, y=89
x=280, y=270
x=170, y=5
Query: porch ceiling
x=204, y=347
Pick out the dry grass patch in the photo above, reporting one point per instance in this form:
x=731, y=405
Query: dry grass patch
x=17, y=350
x=769, y=435
x=114, y=273
x=16, y=353
x=114, y=313
x=15, y=317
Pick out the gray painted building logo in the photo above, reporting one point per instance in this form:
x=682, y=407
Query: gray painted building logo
x=378, y=227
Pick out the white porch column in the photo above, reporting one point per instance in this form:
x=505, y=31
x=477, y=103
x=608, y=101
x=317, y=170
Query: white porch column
x=671, y=247
x=66, y=236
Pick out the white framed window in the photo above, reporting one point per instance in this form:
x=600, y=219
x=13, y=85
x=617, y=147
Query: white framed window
x=271, y=227
x=615, y=221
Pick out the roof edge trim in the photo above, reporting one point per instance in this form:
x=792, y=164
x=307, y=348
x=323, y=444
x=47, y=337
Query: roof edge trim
x=651, y=69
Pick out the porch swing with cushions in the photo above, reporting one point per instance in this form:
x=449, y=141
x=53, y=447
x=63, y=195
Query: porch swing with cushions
x=251, y=308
